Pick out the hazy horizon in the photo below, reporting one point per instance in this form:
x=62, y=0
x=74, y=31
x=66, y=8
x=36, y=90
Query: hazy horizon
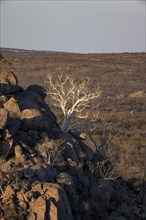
x=74, y=26
x=58, y=51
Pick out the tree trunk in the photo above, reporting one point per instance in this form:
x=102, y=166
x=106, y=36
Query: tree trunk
x=64, y=123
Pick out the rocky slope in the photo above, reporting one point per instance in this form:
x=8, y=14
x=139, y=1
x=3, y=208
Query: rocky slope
x=47, y=174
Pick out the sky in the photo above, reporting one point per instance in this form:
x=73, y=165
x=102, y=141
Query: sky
x=100, y=26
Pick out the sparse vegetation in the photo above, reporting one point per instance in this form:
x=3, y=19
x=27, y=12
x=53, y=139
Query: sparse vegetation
x=119, y=76
x=86, y=162
x=73, y=175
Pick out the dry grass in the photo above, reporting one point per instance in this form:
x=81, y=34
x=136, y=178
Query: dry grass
x=121, y=78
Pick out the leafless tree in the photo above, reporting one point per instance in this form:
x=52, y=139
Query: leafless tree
x=73, y=97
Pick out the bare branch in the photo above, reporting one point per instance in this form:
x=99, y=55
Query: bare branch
x=74, y=98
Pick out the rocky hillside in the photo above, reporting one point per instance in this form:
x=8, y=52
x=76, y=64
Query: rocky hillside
x=46, y=174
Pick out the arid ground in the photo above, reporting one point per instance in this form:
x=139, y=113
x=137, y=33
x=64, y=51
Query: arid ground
x=121, y=78
x=95, y=172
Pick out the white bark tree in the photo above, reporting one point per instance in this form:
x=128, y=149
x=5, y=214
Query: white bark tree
x=74, y=98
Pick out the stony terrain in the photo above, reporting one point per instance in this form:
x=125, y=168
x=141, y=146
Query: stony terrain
x=122, y=79
x=48, y=174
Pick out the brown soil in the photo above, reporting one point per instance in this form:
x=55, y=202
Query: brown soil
x=122, y=80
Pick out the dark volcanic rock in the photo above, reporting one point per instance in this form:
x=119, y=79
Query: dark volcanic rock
x=8, y=83
x=12, y=106
x=33, y=119
x=4, y=117
x=38, y=89
x=46, y=174
x=32, y=100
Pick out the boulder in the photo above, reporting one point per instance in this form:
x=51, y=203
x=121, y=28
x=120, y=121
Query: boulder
x=8, y=194
x=5, y=167
x=70, y=152
x=5, y=148
x=88, y=153
x=42, y=175
x=66, y=181
x=19, y=153
x=53, y=211
x=33, y=119
x=37, y=89
x=53, y=205
x=32, y=100
x=31, y=216
x=2, y=100
x=13, y=125
x=4, y=118
x=60, y=205
x=39, y=207
x=8, y=83
x=12, y=106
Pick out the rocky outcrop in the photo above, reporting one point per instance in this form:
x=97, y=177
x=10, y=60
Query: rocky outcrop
x=47, y=174
x=8, y=83
x=45, y=201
